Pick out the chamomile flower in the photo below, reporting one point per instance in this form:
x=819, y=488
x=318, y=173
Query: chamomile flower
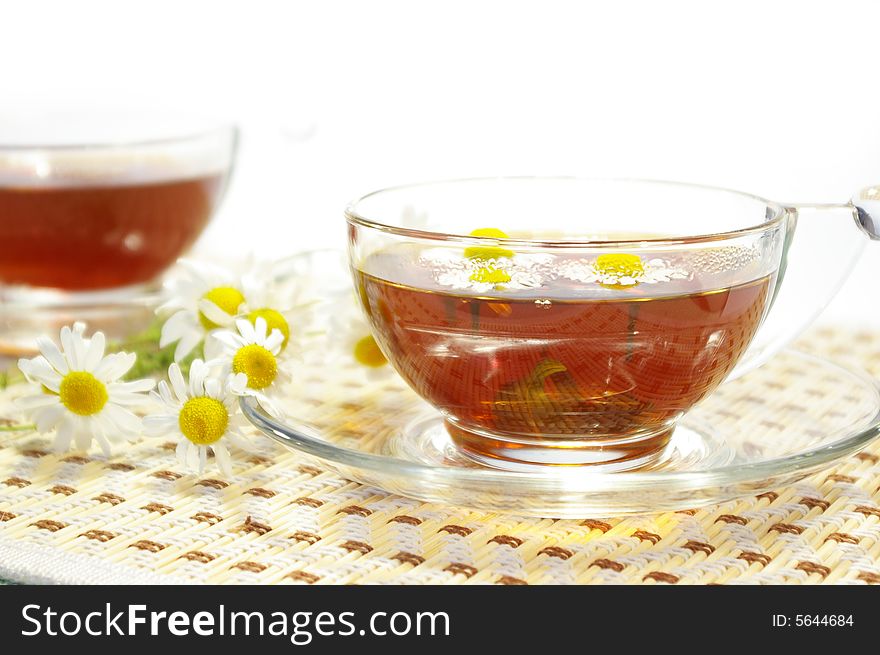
x=27, y=365
x=202, y=414
x=203, y=298
x=505, y=271
x=81, y=397
x=285, y=304
x=620, y=271
x=254, y=352
x=351, y=330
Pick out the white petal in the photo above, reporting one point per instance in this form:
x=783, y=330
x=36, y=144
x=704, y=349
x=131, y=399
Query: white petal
x=175, y=302
x=213, y=313
x=203, y=458
x=186, y=344
x=232, y=402
x=240, y=442
x=128, y=399
x=38, y=369
x=273, y=341
x=74, y=349
x=209, y=275
x=164, y=395
x=229, y=339
x=192, y=455
x=63, y=436
x=100, y=435
x=26, y=366
x=106, y=366
x=159, y=425
x=50, y=351
x=177, y=381
x=213, y=388
x=52, y=383
x=176, y=326
x=114, y=366
x=237, y=383
x=83, y=437
x=271, y=408
x=135, y=386
x=181, y=449
x=122, y=419
x=94, y=352
x=212, y=348
x=197, y=374
x=246, y=329
x=260, y=329
x=224, y=461
x=46, y=418
x=29, y=403
x=238, y=421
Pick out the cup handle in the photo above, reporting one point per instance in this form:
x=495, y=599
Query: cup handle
x=867, y=204
x=819, y=252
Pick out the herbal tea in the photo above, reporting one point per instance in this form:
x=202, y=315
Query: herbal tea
x=558, y=348
x=87, y=234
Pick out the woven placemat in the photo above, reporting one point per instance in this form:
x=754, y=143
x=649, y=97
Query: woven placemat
x=138, y=518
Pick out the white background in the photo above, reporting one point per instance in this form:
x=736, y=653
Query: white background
x=336, y=99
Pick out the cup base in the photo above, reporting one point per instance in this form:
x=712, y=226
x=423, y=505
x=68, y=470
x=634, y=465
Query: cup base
x=689, y=444
x=27, y=313
x=606, y=454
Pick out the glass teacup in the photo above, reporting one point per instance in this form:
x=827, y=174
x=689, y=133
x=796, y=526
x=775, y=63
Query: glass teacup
x=565, y=321
x=94, y=208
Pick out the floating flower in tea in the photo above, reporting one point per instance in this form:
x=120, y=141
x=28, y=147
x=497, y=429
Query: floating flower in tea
x=624, y=269
x=490, y=275
x=489, y=270
x=619, y=270
x=488, y=252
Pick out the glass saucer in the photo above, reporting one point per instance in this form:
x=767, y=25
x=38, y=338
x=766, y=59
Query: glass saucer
x=792, y=417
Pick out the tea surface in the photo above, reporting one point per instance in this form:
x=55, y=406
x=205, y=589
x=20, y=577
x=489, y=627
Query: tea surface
x=95, y=236
x=553, y=354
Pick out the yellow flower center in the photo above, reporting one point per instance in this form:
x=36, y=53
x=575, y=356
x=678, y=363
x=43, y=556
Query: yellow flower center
x=366, y=352
x=488, y=252
x=274, y=321
x=620, y=265
x=491, y=275
x=203, y=420
x=257, y=363
x=226, y=298
x=82, y=393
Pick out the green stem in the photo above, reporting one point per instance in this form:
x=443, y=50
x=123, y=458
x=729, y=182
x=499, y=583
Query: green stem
x=17, y=428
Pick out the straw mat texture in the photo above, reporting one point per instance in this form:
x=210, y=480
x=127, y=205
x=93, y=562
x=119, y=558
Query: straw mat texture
x=137, y=518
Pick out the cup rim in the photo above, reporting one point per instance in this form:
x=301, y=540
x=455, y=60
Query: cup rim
x=229, y=127
x=352, y=216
